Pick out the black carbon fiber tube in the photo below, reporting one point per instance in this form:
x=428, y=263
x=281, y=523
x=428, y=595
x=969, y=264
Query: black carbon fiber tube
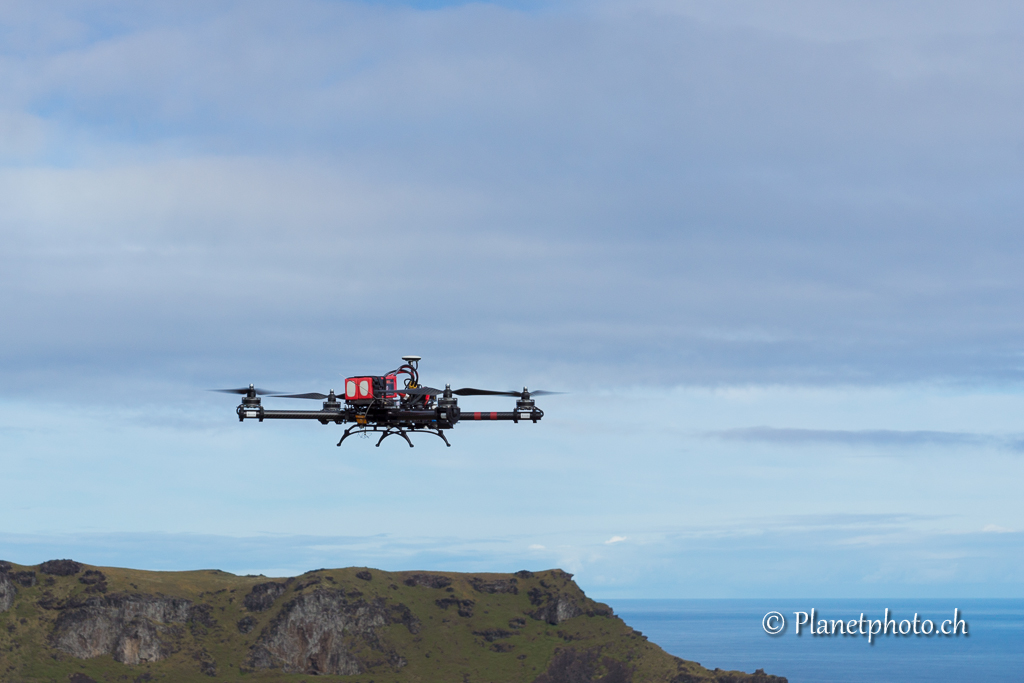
x=412, y=415
x=518, y=416
x=303, y=415
x=263, y=414
x=484, y=415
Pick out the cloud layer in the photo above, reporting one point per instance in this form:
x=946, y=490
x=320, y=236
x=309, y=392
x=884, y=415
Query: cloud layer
x=789, y=226
x=837, y=556
x=778, y=195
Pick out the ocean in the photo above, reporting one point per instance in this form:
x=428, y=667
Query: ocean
x=728, y=634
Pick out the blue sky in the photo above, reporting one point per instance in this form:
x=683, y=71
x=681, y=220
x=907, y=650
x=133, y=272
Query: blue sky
x=771, y=250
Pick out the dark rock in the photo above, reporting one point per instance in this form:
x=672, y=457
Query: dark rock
x=7, y=592
x=493, y=634
x=309, y=582
x=582, y=666
x=400, y=614
x=364, y=575
x=95, y=580
x=246, y=624
x=92, y=576
x=523, y=574
x=759, y=676
x=200, y=619
x=26, y=579
x=79, y=677
x=687, y=677
x=518, y=622
x=5, y=567
x=428, y=581
x=323, y=633
x=60, y=567
x=263, y=595
x=50, y=601
x=503, y=647
x=131, y=628
x=553, y=608
x=207, y=665
x=720, y=676
x=203, y=614
x=496, y=586
x=465, y=607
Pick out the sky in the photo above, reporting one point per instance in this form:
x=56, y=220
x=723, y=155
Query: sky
x=769, y=250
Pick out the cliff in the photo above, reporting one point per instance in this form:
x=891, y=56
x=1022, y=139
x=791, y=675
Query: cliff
x=64, y=621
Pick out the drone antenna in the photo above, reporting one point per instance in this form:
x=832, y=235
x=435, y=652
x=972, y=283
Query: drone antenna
x=414, y=361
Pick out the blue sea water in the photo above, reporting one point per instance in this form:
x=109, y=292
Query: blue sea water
x=728, y=634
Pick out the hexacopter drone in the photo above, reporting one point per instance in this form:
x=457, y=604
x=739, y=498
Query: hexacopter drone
x=376, y=403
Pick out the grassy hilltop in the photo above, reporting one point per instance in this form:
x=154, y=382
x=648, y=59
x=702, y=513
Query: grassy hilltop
x=66, y=622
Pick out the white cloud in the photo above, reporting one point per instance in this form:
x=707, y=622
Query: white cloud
x=615, y=539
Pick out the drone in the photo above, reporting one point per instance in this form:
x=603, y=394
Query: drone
x=377, y=403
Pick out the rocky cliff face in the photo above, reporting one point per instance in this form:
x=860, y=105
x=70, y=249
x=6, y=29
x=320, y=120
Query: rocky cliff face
x=131, y=628
x=325, y=632
x=7, y=592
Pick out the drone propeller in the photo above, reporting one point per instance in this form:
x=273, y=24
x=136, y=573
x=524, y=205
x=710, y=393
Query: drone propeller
x=469, y=391
x=487, y=392
x=243, y=392
x=418, y=391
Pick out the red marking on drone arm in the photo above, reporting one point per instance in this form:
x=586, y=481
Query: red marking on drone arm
x=494, y=416
x=476, y=415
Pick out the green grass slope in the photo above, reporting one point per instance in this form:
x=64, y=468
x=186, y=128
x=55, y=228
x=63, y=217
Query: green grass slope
x=75, y=623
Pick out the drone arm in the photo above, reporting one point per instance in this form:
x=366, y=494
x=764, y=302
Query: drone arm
x=263, y=414
x=325, y=416
x=535, y=415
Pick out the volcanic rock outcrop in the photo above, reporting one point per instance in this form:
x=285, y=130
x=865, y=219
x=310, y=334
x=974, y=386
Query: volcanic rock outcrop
x=7, y=592
x=263, y=595
x=131, y=628
x=324, y=632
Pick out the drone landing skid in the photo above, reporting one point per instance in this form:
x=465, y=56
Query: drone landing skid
x=390, y=431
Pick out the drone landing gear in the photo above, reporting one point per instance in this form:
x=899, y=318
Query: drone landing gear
x=390, y=431
x=400, y=432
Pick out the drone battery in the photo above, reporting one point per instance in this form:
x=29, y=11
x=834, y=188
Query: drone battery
x=359, y=388
x=369, y=388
